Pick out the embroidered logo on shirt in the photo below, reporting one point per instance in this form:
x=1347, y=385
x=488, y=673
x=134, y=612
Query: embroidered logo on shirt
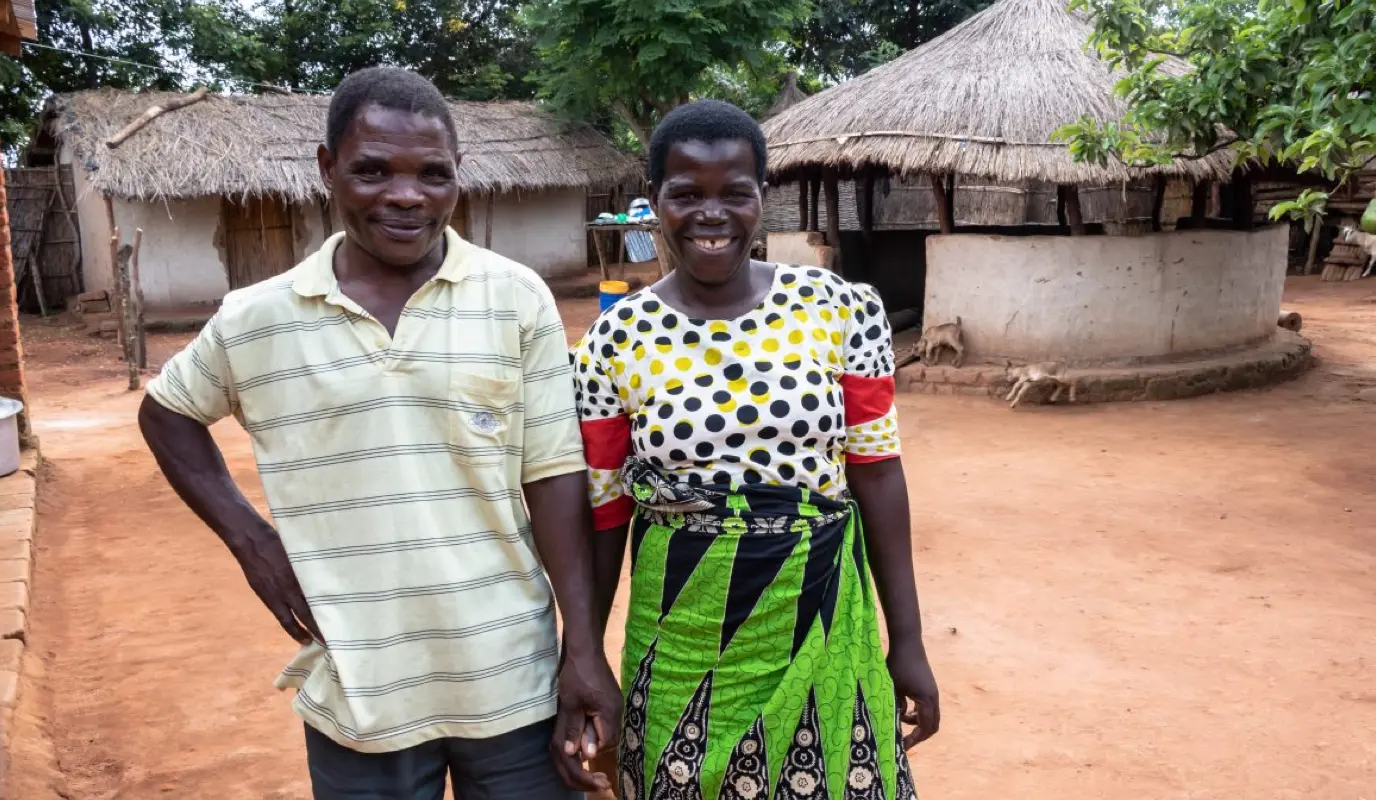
x=485, y=422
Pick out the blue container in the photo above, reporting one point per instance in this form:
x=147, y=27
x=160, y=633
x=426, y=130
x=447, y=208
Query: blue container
x=610, y=292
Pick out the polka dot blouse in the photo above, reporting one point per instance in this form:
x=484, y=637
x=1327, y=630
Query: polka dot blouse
x=785, y=394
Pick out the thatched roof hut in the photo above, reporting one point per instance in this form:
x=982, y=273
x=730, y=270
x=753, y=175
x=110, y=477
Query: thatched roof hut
x=789, y=96
x=982, y=100
x=240, y=146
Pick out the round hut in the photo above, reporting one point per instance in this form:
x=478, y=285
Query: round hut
x=957, y=136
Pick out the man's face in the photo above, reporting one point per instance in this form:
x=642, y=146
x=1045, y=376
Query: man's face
x=394, y=181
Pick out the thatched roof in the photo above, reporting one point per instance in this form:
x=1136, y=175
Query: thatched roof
x=257, y=144
x=983, y=100
x=789, y=96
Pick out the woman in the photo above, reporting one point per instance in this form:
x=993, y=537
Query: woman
x=739, y=416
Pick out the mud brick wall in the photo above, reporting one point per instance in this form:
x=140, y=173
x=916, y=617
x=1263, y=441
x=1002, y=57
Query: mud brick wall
x=11, y=351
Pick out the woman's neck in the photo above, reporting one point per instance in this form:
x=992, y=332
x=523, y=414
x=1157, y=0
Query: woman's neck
x=744, y=291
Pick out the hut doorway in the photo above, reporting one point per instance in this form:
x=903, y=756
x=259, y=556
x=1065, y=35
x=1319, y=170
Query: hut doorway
x=258, y=239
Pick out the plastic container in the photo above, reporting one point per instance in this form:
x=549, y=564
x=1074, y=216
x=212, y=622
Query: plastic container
x=9, y=435
x=610, y=292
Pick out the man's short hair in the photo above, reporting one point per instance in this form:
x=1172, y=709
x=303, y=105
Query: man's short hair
x=705, y=121
x=388, y=87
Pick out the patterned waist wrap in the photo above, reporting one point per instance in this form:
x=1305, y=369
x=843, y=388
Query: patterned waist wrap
x=753, y=666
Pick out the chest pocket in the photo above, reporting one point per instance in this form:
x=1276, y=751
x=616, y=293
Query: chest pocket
x=481, y=425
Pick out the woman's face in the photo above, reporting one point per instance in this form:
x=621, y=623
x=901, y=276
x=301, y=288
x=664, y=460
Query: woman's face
x=709, y=206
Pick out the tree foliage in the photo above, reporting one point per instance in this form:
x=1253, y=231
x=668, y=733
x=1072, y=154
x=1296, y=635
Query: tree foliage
x=640, y=58
x=1273, y=80
x=840, y=39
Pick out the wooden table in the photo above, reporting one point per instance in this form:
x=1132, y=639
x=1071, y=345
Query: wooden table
x=597, y=228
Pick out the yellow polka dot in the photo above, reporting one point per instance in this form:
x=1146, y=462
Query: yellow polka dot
x=717, y=327
x=584, y=359
x=762, y=397
x=795, y=337
x=741, y=348
x=835, y=337
x=683, y=364
x=728, y=406
x=623, y=393
x=656, y=367
x=831, y=357
x=801, y=315
x=777, y=324
x=792, y=360
x=639, y=351
x=869, y=440
x=843, y=312
x=826, y=315
x=770, y=345
x=820, y=334
x=712, y=357
x=618, y=366
x=635, y=380
x=673, y=384
x=737, y=385
x=664, y=347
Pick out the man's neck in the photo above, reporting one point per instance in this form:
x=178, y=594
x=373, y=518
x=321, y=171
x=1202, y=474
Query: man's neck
x=354, y=264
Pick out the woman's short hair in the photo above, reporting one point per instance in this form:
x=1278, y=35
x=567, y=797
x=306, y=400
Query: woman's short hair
x=705, y=121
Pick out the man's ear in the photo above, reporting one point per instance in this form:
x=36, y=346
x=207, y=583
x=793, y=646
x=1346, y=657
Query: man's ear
x=764, y=190
x=654, y=199
x=325, y=161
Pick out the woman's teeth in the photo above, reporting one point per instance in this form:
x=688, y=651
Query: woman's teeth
x=713, y=244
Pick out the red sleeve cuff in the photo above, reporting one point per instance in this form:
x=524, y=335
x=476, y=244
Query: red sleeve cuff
x=614, y=514
x=606, y=442
x=865, y=399
x=853, y=458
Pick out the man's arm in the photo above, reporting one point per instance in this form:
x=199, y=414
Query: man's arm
x=192, y=463
x=195, y=389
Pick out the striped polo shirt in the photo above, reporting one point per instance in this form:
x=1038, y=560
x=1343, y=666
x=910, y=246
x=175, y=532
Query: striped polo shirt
x=393, y=469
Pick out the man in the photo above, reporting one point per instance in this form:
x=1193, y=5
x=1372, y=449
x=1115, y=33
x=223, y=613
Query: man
x=404, y=390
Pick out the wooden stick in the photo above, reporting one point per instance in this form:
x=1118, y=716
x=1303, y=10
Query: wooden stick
x=601, y=255
x=943, y=207
x=1158, y=202
x=153, y=113
x=136, y=295
x=126, y=309
x=487, y=226
x=1070, y=198
x=802, y=205
x=815, y=189
x=1313, y=248
x=829, y=179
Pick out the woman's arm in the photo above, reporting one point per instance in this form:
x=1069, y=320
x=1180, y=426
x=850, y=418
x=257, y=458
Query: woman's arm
x=881, y=491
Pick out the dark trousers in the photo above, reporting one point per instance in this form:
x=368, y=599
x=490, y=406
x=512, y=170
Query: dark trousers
x=513, y=766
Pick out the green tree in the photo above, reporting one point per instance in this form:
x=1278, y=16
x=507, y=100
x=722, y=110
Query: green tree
x=840, y=39
x=640, y=58
x=1272, y=80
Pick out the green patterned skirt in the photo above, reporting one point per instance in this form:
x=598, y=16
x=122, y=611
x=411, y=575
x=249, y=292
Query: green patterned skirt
x=753, y=668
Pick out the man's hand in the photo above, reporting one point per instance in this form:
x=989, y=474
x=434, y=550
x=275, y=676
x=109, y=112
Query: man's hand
x=918, y=702
x=265, y=564
x=589, y=721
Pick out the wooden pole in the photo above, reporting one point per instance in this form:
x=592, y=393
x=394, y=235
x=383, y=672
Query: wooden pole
x=1242, y=203
x=943, y=206
x=1068, y=196
x=1158, y=202
x=1313, y=247
x=601, y=254
x=951, y=200
x=487, y=225
x=815, y=187
x=136, y=295
x=833, y=218
x=802, y=205
x=1199, y=203
x=126, y=310
x=153, y=113
x=864, y=202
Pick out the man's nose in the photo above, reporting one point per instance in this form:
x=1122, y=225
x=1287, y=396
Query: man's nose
x=405, y=191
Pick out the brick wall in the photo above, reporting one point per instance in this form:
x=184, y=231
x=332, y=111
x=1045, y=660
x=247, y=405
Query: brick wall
x=11, y=350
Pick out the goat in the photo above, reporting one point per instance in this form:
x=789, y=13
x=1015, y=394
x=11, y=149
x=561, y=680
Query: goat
x=1029, y=375
x=949, y=335
x=1290, y=321
x=1366, y=241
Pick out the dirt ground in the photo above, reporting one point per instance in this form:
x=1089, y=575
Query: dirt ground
x=1155, y=600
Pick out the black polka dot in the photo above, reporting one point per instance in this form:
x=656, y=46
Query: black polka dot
x=651, y=306
x=779, y=298
x=716, y=423
x=787, y=448
x=593, y=387
x=704, y=380
x=675, y=390
x=760, y=456
x=787, y=278
x=704, y=449
x=683, y=431
x=747, y=415
x=608, y=351
x=722, y=478
x=874, y=332
x=749, y=325
x=759, y=388
x=805, y=291
x=731, y=458
x=657, y=461
x=769, y=319
x=620, y=337
x=644, y=326
x=656, y=438
x=809, y=463
x=779, y=408
x=810, y=402
x=814, y=273
x=604, y=328
x=625, y=313
x=814, y=377
x=768, y=432
x=751, y=476
x=763, y=366
x=721, y=397
x=823, y=481
x=800, y=429
x=721, y=336
x=666, y=410
x=872, y=308
x=733, y=372
x=788, y=382
x=692, y=404
x=735, y=440
x=664, y=341
x=844, y=299
x=824, y=424
x=694, y=479
x=691, y=337
x=856, y=341
x=670, y=321
x=787, y=472
x=678, y=455
x=809, y=444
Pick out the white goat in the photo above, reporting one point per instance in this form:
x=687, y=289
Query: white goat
x=1027, y=376
x=1366, y=241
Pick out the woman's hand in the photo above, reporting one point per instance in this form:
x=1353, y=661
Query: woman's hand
x=919, y=704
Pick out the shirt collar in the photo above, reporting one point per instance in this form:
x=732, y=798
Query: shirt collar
x=318, y=279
